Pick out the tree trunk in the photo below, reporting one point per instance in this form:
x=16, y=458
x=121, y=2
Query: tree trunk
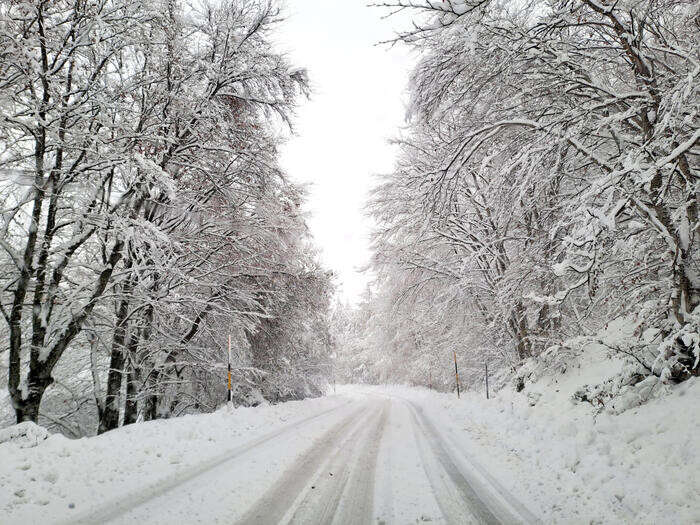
x=110, y=415
x=27, y=407
x=518, y=323
x=131, y=407
x=150, y=407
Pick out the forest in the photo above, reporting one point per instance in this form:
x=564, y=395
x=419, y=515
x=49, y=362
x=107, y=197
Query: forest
x=351, y=261
x=145, y=215
x=545, y=197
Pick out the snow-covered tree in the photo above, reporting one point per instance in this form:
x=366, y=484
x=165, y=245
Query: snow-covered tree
x=548, y=180
x=145, y=216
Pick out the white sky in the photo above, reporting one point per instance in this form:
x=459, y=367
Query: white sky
x=342, y=133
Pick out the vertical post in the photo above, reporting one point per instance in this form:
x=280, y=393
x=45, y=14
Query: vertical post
x=486, y=365
x=454, y=353
x=229, y=368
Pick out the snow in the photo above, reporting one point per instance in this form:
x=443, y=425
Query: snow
x=538, y=452
x=403, y=491
x=63, y=478
x=26, y=434
x=569, y=463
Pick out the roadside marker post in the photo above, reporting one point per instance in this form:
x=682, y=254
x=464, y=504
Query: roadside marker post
x=229, y=369
x=486, y=366
x=454, y=353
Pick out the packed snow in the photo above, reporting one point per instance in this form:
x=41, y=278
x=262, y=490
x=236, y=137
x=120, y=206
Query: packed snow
x=535, y=455
x=62, y=478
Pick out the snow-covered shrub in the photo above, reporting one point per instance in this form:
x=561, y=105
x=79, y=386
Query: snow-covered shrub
x=630, y=389
x=26, y=434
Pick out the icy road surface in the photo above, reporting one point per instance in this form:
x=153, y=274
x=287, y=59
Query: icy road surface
x=372, y=459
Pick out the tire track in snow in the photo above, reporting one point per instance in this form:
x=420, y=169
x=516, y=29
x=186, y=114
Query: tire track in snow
x=362, y=480
x=455, y=497
x=403, y=492
x=272, y=506
x=128, y=502
x=339, y=470
x=348, y=500
x=483, y=499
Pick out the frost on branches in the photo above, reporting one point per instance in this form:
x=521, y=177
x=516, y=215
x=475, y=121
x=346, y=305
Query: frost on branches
x=144, y=213
x=547, y=185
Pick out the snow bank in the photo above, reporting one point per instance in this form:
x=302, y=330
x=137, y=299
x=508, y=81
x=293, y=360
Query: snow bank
x=62, y=477
x=27, y=434
x=568, y=461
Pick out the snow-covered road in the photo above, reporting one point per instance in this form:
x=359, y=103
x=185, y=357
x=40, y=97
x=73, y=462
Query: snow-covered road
x=373, y=459
x=373, y=454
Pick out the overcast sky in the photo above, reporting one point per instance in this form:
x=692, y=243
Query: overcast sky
x=342, y=133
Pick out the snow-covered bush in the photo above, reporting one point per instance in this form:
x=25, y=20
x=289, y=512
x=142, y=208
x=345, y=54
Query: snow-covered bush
x=26, y=434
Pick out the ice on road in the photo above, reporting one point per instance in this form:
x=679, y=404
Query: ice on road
x=372, y=459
